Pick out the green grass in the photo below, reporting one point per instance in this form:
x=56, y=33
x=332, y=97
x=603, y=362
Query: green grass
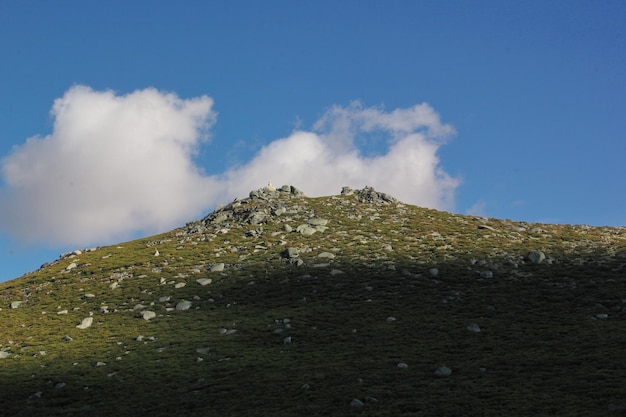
x=540, y=351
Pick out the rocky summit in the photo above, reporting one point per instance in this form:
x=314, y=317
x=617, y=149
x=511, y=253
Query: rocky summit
x=278, y=304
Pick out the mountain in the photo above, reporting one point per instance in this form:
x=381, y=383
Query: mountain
x=354, y=304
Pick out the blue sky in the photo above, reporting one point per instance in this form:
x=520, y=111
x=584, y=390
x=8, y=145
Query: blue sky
x=144, y=115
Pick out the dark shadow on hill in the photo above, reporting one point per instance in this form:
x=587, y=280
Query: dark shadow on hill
x=309, y=341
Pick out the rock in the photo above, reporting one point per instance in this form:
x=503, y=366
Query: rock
x=180, y=285
x=327, y=255
x=475, y=328
x=356, y=403
x=4, y=354
x=148, y=315
x=291, y=253
x=98, y=364
x=86, y=323
x=217, y=267
x=183, y=305
x=316, y=221
x=433, y=272
x=16, y=304
x=334, y=272
x=67, y=338
x=402, y=365
x=345, y=190
x=71, y=266
x=369, y=195
x=443, y=372
x=391, y=319
x=601, y=316
x=287, y=228
x=486, y=274
x=536, y=256
x=305, y=230
x=204, y=281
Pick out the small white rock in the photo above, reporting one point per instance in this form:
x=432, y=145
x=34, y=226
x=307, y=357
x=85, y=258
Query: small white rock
x=87, y=322
x=475, y=328
x=443, y=372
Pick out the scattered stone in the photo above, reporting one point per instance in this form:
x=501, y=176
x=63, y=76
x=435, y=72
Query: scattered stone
x=433, y=272
x=71, y=266
x=327, y=255
x=369, y=195
x=204, y=281
x=86, y=323
x=203, y=351
x=402, y=365
x=334, y=272
x=16, y=304
x=4, y=354
x=443, y=372
x=536, y=256
x=183, y=305
x=305, y=230
x=67, y=338
x=486, y=274
x=391, y=319
x=180, y=285
x=356, y=403
x=601, y=316
x=345, y=190
x=148, y=315
x=217, y=267
x=98, y=364
x=316, y=221
x=291, y=253
x=156, y=252
x=474, y=328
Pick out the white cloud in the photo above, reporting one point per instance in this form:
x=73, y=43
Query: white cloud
x=322, y=161
x=479, y=208
x=113, y=165
x=116, y=165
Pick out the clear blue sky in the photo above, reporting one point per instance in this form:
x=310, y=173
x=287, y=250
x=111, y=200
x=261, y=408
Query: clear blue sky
x=534, y=90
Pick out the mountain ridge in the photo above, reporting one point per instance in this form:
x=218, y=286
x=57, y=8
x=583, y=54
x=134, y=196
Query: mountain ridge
x=348, y=304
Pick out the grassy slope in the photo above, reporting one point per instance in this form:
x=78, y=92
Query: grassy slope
x=540, y=351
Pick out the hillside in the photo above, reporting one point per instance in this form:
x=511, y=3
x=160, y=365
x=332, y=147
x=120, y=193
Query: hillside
x=353, y=304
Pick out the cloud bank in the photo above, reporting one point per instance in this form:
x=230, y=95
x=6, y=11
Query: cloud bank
x=118, y=165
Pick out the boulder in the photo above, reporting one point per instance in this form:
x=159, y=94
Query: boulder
x=86, y=323
x=536, y=256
